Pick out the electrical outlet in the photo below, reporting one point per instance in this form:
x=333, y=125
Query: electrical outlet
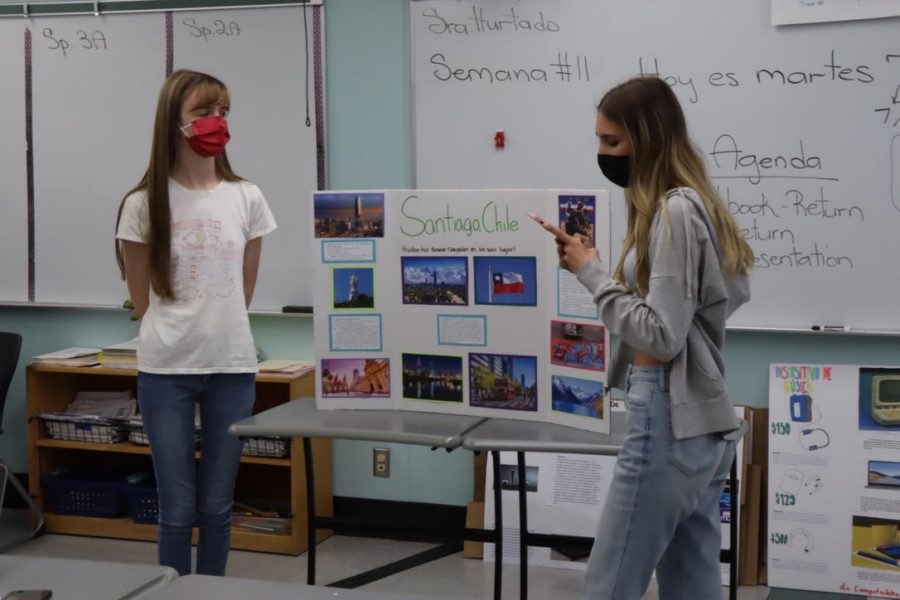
x=381, y=462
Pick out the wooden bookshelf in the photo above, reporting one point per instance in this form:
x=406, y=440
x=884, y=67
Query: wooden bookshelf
x=51, y=389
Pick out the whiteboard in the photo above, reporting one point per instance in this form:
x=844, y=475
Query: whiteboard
x=14, y=195
x=271, y=143
x=95, y=85
x=806, y=157
x=93, y=115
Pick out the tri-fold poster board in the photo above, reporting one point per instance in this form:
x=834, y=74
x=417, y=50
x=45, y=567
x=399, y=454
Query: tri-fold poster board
x=454, y=302
x=834, y=479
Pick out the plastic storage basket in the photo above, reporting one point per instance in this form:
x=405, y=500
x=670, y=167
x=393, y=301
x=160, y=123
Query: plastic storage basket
x=93, y=493
x=143, y=500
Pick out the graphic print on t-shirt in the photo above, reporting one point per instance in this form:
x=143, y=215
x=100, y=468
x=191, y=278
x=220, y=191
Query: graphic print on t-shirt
x=203, y=260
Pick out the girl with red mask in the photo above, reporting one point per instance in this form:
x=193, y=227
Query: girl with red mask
x=188, y=243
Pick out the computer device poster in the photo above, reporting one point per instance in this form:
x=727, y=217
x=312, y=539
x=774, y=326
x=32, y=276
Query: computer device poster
x=834, y=479
x=453, y=301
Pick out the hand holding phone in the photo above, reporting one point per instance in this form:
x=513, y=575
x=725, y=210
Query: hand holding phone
x=573, y=250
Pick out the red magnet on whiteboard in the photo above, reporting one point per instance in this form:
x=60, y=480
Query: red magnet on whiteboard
x=499, y=140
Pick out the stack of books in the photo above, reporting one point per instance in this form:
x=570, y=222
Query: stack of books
x=120, y=356
x=287, y=366
x=70, y=357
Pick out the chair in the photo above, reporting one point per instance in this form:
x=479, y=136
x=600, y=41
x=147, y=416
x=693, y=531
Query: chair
x=10, y=346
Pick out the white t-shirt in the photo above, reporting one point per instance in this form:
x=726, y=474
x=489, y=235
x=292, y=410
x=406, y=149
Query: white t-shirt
x=206, y=328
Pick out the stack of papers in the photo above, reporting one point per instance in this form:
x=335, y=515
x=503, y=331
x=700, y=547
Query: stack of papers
x=70, y=357
x=112, y=405
x=287, y=366
x=120, y=356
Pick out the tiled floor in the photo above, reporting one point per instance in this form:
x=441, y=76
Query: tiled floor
x=452, y=577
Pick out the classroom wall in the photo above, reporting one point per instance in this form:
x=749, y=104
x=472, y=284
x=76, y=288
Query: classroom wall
x=368, y=116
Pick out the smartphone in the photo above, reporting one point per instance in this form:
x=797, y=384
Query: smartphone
x=536, y=218
x=29, y=595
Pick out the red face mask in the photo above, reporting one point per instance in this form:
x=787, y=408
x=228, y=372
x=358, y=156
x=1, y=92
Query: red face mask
x=208, y=135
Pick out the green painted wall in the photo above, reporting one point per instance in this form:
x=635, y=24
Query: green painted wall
x=369, y=146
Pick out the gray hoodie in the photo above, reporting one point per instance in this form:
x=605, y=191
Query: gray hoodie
x=682, y=318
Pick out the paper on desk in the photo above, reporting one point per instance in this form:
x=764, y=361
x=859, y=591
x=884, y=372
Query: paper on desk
x=292, y=366
x=68, y=353
x=130, y=347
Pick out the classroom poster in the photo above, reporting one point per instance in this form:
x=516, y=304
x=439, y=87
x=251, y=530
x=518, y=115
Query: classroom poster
x=564, y=495
x=834, y=479
x=453, y=301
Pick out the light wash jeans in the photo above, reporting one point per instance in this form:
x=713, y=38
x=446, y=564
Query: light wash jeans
x=662, y=509
x=190, y=493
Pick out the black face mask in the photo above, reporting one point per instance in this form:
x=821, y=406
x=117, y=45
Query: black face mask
x=615, y=168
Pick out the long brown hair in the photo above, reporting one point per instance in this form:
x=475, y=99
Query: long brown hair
x=155, y=182
x=664, y=158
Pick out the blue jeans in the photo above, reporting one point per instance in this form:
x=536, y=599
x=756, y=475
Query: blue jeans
x=190, y=493
x=662, y=509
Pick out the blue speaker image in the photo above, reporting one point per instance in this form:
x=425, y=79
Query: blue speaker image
x=801, y=408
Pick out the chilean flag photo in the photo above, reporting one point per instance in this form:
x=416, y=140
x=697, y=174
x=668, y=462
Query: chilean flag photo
x=505, y=280
x=508, y=283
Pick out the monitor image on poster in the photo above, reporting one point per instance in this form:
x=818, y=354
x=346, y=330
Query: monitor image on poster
x=884, y=474
x=886, y=399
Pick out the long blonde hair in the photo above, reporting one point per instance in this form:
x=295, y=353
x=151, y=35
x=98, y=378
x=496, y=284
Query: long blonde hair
x=664, y=158
x=155, y=182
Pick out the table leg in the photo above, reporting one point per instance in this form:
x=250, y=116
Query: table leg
x=498, y=526
x=310, y=512
x=735, y=542
x=523, y=528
